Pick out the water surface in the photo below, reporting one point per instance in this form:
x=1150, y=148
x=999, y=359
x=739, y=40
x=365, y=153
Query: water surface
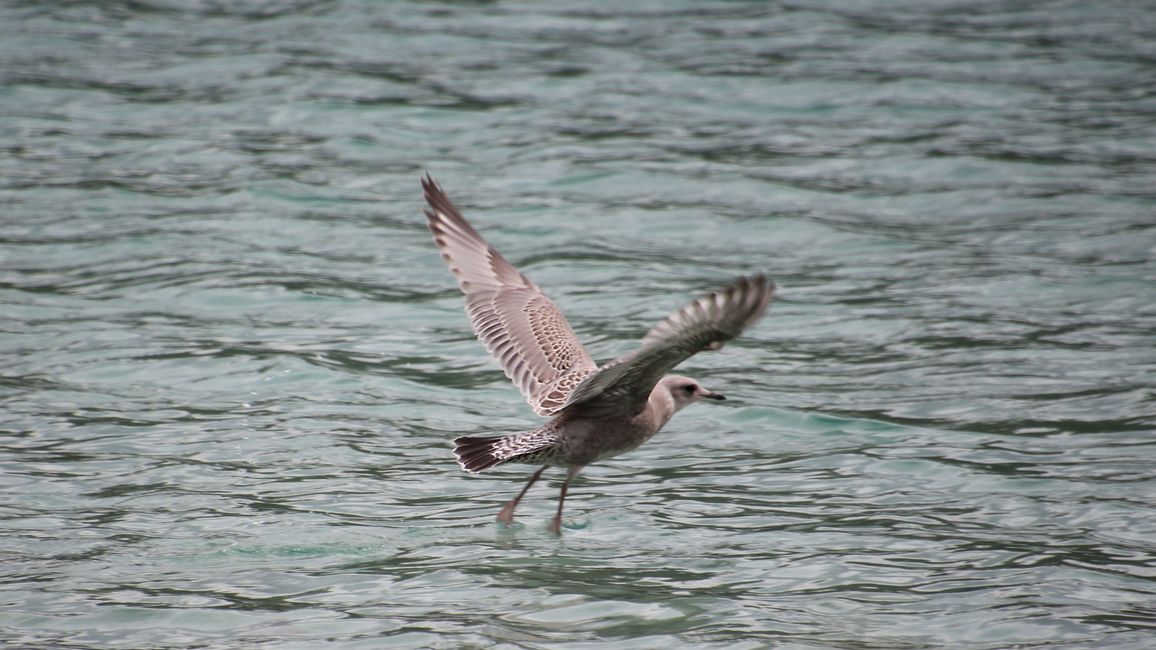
x=233, y=361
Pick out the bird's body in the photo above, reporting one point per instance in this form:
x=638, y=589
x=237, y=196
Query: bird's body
x=571, y=437
x=596, y=412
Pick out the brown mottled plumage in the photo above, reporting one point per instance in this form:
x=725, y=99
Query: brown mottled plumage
x=597, y=412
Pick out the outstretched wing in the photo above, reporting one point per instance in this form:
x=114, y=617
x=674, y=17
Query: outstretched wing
x=519, y=325
x=622, y=386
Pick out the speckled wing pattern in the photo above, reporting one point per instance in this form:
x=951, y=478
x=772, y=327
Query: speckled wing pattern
x=623, y=386
x=518, y=324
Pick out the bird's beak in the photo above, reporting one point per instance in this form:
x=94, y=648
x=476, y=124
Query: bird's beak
x=712, y=395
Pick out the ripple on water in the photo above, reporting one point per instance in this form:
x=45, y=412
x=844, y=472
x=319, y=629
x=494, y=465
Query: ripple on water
x=233, y=361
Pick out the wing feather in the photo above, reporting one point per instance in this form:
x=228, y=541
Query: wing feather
x=623, y=386
x=518, y=324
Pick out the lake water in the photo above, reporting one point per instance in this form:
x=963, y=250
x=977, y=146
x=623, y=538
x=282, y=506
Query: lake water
x=233, y=361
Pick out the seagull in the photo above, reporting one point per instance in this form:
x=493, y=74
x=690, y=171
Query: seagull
x=596, y=412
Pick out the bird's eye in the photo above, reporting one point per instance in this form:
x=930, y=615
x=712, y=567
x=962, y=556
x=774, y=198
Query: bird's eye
x=688, y=389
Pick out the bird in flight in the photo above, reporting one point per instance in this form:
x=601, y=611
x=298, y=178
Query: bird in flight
x=595, y=412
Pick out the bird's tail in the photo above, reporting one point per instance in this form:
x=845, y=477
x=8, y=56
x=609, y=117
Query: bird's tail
x=476, y=454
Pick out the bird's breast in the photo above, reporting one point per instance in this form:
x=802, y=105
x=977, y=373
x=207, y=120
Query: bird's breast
x=586, y=440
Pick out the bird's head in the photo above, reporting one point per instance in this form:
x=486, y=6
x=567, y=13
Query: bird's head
x=686, y=391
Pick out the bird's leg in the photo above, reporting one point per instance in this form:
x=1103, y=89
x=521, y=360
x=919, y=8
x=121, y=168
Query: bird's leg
x=506, y=515
x=556, y=523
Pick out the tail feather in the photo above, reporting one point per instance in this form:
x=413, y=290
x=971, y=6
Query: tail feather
x=476, y=454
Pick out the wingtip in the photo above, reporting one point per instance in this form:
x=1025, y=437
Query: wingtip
x=754, y=284
x=756, y=293
x=761, y=281
x=430, y=187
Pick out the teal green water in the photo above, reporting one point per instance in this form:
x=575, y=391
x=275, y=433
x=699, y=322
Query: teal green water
x=233, y=361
